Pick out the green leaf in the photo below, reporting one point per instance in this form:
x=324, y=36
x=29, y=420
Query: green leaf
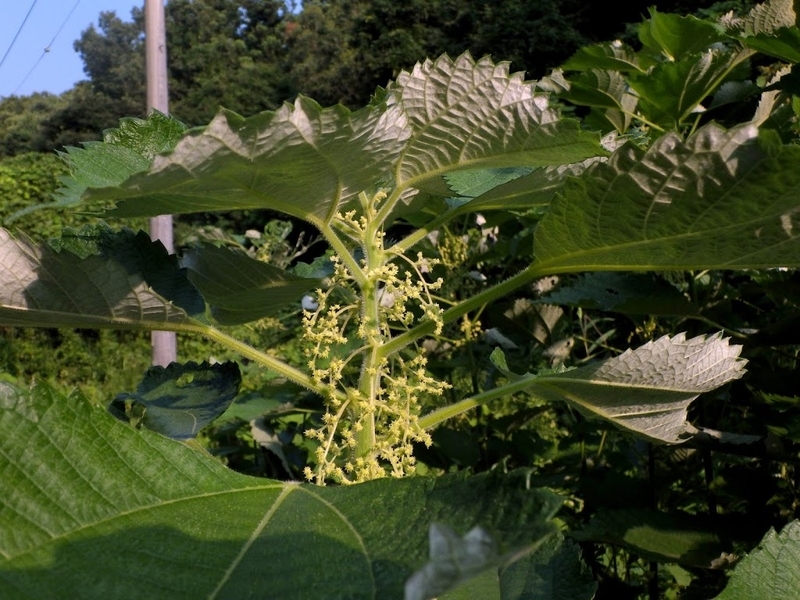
x=239, y=288
x=648, y=390
x=466, y=114
x=610, y=56
x=471, y=184
x=672, y=91
x=607, y=90
x=302, y=160
x=629, y=293
x=770, y=571
x=719, y=200
x=311, y=162
x=179, y=400
x=117, y=288
x=95, y=509
x=783, y=43
x=676, y=36
x=554, y=571
x=124, y=151
x=682, y=538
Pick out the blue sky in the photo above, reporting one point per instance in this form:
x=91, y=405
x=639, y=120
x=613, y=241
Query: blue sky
x=61, y=67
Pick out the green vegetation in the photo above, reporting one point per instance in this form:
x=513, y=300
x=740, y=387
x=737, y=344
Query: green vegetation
x=519, y=339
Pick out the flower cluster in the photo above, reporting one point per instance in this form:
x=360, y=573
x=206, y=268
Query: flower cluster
x=371, y=424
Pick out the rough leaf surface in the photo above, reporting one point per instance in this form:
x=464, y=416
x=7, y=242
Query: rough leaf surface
x=95, y=509
x=679, y=205
x=647, y=390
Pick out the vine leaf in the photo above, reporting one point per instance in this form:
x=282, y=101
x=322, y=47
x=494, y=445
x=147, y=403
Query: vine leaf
x=466, y=115
x=117, y=287
x=646, y=391
x=239, y=288
x=678, y=36
x=678, y=205
x=179, y=400
x=93, y=504
x=312, y=162
x=770, y=571
x=126, y=150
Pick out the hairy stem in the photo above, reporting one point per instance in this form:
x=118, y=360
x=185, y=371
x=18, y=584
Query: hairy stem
x=433, y=419
x=270, y=362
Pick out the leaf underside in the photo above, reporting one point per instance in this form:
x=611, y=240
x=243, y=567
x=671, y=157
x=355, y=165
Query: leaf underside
x=647, y=390
x=443, y=116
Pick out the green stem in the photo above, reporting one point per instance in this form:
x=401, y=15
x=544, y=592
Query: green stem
x=267, y=361
x=415, y=237
x=369, y=383
x=448, y=412
x=344, y=254
x=488, y=295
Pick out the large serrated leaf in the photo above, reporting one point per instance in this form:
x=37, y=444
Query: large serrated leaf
x=647, y=390
x=303, y=160
x=115, y=288
x=444, y=116
x=719, y=200
x=466, y=115
x=770, y=571
x=767, y=17
x=94, y=509
x=240, y=288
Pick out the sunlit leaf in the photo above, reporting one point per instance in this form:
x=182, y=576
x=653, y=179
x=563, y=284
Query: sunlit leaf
x=769, y=571
x=678, y=36
x=95, y=509
x=768, y=17
x=679, y=205
x=466, y=114
x=647, y=390
x=443, y=116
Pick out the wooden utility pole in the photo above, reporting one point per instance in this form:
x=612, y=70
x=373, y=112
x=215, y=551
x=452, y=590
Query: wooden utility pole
x=164, y=342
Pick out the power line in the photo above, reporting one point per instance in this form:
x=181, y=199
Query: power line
x=11, y=45
x=47, y=48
